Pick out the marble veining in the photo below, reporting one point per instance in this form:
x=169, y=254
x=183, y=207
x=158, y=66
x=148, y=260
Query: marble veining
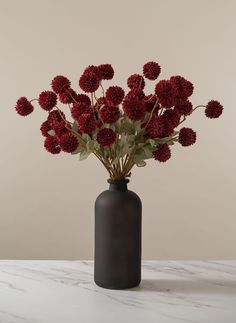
x=64, y=292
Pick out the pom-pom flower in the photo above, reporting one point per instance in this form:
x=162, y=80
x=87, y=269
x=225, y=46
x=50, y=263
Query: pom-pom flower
x=54, y=117
x=106, y=137
x=135, y=93
x=83, y=98
x=187, y=136
x=69, y=143
x=45, y=127
x=87, y=123
x=166, y=93
x=24, y=106
x=60, y=84
x=151, y=70
x=184, y=87
x=106, y=71
x=47, y=100
x=89, y=82
x=51, y=144
x=162, y=153
x=69, y=96
x=114, y=95
x=136, y=80
x=109, y=114
x=134, y=108
x=184, y=107
x=149, y=102
x=80, y=108
x=172, y=116
x=213, y=109
x=61, y=128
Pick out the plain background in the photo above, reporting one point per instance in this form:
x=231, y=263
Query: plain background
x=47, y=201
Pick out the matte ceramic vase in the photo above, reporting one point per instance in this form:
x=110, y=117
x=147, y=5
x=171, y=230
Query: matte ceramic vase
x=118, y=229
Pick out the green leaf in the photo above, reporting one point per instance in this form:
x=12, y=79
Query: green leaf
x=141, y=163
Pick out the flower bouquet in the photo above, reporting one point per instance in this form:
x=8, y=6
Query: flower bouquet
x=122, y=130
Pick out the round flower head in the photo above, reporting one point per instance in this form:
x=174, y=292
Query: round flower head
x=80, y=108
x=51, y=144
x=69, y=143
x=114, y=95
x=61, y=128
x=159, y=127
x=109, y=114
x=187, y=137
x=134, y=108
x=213, y=109
x=87, y=123
x=106, y=137
x=172, y=116
x=135, y=93
x=166, y=93
x=162, y=153
x=83, y=98
x=89, y=82
x=151, y=70
x=183, y=86
x=184, y=107
x=45, y=127
x=136, y=80
x=60, y=84
x=24, y=106
x=106, y=71
x=47, y=100
x=92, y=69
x=69, y=96
x=54, y=117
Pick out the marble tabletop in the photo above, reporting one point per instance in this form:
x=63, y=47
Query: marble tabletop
x=64, y=292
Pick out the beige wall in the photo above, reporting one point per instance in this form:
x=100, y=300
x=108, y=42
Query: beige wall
x=46, y=203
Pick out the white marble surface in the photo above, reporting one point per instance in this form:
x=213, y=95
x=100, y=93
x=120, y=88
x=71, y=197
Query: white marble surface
x=64, y=292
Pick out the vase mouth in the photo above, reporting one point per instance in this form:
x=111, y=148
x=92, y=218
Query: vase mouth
x=117, y=181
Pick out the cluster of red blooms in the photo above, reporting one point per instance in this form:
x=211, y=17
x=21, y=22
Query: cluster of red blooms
x=159, y=113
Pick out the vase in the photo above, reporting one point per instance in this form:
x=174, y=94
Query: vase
x=118, y=230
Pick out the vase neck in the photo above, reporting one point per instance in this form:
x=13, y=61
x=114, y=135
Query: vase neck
x=118, y=184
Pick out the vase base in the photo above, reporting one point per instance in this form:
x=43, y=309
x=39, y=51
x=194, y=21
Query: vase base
x=118, y=287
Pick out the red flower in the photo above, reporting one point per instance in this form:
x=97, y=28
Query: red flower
x=114, y=95
x=184, y=107
x=54, y=117
x=101, y=101
x=135, y=93
x=159, y=127
x=69, y=96
x=51, y=144
x=45, y=127
x=106, y=137
x=60, y=84
x=187, y=137
x=172, y=116
x=109, y=114
x=166, y=93
x=80, y=108
x=47, y=100
x=162, y=153
x=68, y=143
x=151, y=70
x=134, y=108
x=136, y=80
x=106, y=71
x=183, y=86
x=87, y=123
x=92, y=69
x=149, y=102
x=24, y=106
x=83, y=98
x=89, y=82
x=213, y=109
x=61, y=128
